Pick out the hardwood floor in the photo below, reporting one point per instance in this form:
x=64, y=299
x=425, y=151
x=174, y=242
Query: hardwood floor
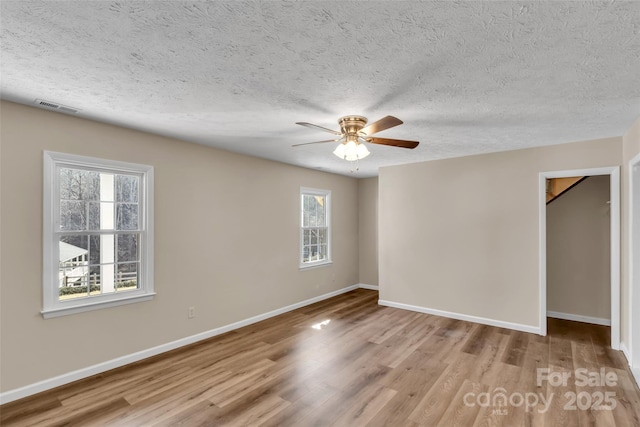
x=348, y=362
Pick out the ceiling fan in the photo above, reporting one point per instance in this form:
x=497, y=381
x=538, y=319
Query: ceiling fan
x=354, y=133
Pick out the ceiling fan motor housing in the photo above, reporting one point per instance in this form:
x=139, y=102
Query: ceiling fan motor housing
x=351, y=125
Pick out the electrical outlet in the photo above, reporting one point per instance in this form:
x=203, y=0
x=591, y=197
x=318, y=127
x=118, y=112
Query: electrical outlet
x=191, y=312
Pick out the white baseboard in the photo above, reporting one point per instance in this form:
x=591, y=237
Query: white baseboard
x=579, y=318
x=635, y=371
x=636, y=375
x=365, y=286
x=28, y=390
x=459, y=316
x=626, y=352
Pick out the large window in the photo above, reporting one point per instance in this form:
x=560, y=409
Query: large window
x=98, y=233
x=315, y=232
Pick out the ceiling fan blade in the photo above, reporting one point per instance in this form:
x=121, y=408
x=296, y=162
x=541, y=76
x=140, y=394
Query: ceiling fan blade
x=312, y=126
x=316, y=142
x=382, y=124
x=402, y=143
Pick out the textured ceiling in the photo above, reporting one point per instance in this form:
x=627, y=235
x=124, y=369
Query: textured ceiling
x=465, y=77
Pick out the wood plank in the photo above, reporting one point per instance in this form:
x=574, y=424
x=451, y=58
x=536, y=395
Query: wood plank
x=413, y=379
x=28, y=408
x=459, y=412
x=160, y=407
x=477, y=340
x=304, y=401
x=516, y=348
x=504, y=379
x=361, y=413
x=259, y=412
x=435, y=402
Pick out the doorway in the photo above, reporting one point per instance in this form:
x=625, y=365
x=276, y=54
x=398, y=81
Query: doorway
x=614, y=190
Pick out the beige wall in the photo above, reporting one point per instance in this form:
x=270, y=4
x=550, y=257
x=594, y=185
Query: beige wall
x=226, y=242
x=578, y=250
x=462, y=235
x=368, y=230
x=630, y=149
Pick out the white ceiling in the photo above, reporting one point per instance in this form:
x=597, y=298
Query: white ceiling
x=466, y=77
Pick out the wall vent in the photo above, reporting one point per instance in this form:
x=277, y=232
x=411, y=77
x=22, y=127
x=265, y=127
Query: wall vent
x=57, y=107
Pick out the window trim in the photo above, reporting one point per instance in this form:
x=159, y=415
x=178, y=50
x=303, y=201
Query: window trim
x=51, y=305
x=327, y=195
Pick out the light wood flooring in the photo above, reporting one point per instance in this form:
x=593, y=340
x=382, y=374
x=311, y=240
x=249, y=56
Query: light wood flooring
x=348, y=362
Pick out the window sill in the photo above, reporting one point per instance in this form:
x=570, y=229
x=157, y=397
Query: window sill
x=66, y=311
x=308, y=266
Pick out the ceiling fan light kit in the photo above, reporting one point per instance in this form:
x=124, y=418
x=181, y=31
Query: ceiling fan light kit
x=353, y=134
x=351, y=151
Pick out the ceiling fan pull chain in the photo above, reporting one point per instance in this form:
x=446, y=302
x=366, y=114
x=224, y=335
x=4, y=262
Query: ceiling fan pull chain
x=357, y=166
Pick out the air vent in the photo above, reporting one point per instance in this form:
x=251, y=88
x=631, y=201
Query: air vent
x=57, y=107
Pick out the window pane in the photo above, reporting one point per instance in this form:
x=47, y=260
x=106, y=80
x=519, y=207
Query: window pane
x=102, y=249
x=127, y=188
x=314, y=236
x=107, y=186
x=94, y=278
x=94, y=284
x=319, y=210
x=81, y=242
x=94, y=215
x=79, y=184
x=127, y=216
x=73, y=277
x=94, y=249
x=73, y=261
x=107, y=248
x=107, y=278
x=323, y=251
x=320, y=222
x=127, y=248
x=106, y=216
x=90, y=184
x=312, y=212
x=74, y=290
x=322, y=235
x=127, y=277
x=73, y=282
x=65, y=184
x=73, y=215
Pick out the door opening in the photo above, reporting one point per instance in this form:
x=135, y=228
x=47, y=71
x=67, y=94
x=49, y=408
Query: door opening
x=614, y=242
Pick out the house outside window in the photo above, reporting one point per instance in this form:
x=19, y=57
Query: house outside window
x=315, y=229
x=97, y=233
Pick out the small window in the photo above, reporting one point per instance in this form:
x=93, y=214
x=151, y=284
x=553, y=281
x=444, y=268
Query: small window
x=315, y=231
x=98, y=233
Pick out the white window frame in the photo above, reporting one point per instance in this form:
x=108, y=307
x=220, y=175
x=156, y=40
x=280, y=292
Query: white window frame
x=327, y=197
x=52, y=306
